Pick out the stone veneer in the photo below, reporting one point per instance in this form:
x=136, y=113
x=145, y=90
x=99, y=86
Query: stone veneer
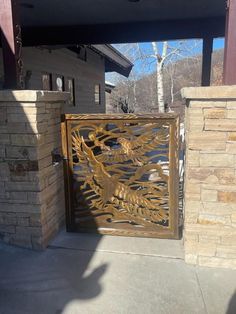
x=210, y=176
x=31, y=188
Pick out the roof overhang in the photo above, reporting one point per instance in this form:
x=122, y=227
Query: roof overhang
x=114, y=21
x=114, y=60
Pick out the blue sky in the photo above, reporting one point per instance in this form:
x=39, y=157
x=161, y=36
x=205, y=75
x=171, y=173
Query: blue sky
x=218, y=43
x=146, y=65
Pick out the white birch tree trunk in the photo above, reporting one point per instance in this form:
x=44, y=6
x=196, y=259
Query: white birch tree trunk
x=160, y=59
x=172, y=89
x=135, y=95
x=160, y=89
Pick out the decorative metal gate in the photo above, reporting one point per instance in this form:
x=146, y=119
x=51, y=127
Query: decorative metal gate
x=121, y=174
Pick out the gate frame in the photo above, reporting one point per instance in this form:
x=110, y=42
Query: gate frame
x=173, y=232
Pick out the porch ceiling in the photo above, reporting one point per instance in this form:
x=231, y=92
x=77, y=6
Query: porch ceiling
x=103, y=21
x=84, y=12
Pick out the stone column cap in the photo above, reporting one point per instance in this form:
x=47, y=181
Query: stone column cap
x=32, y=96
x=211, y=92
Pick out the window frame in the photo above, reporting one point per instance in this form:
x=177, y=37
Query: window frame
x=49, y=81
x=72, y=103
x=55, y=77
x=97, y=93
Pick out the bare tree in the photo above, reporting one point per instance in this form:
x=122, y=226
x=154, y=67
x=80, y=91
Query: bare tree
x=157, y=66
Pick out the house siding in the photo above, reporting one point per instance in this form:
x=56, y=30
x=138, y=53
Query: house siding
x=65, y=62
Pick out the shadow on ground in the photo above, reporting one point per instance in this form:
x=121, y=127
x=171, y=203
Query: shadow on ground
x=34, y=282
x=87, y=273
x=232, y=305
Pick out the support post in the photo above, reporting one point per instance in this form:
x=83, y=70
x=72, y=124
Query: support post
x=11, y=44
x=206, y=61
x=229, y=76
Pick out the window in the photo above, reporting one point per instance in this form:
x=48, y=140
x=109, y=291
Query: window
x=59, y=83
x=97, y=94
x=82, y=53
x=70, y=87
x=46, y=81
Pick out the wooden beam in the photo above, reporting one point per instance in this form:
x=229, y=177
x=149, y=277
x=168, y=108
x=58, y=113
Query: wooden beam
x=124, y=32
x=206, y=61
x=229, y=76
x=11, y=44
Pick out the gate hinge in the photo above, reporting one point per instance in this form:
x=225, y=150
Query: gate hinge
x=57, y=157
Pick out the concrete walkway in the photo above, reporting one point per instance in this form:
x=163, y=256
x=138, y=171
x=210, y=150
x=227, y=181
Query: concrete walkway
x=89, y=274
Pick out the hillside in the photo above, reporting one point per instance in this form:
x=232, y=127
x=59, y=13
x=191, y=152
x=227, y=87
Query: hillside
x=141, y=95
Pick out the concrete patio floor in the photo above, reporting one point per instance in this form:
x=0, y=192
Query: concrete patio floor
x=81, y=273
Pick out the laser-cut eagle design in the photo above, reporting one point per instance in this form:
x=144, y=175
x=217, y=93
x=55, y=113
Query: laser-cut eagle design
x=105, y=185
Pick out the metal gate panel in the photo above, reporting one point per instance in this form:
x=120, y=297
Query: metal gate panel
x=121, y=174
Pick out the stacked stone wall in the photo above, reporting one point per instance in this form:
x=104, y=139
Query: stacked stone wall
x=210, y=177
x=31, y=187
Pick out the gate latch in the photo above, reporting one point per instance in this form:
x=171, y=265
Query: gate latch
x=57, y=157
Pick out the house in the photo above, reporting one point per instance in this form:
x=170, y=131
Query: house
x=79, y=70
x=108, y=89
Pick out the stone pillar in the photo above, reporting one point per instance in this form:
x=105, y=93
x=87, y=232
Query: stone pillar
x=31, y=188
x=210, y=176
